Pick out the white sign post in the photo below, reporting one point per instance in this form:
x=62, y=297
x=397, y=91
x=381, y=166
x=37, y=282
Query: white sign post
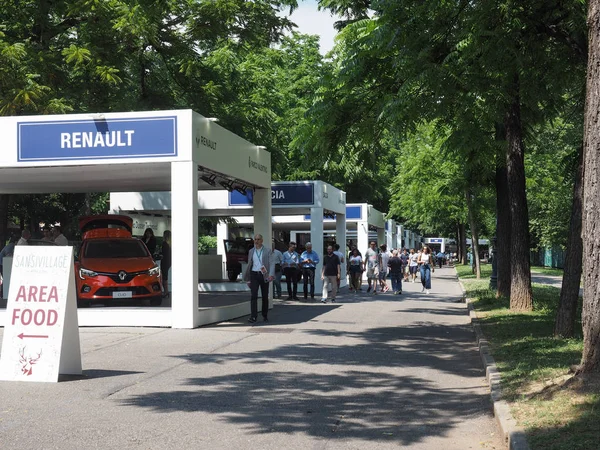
x=41, y=334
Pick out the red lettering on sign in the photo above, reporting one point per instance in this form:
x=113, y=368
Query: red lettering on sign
x=21, y=294
x=40, y=317
x=37, y=294
x=53, y=294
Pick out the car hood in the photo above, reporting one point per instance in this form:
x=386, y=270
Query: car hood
x=114, y=265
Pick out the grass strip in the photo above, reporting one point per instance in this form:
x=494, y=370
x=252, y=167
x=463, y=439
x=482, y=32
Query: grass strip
x=557, y=411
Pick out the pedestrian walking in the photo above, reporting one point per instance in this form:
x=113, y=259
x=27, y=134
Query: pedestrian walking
x=426, y=267
x=404, y=258
x=355, y=263
x=384, y=257
x=372, y=267
x=336, y=251
x=395, y=267
x=278, y=261
x=259, y=272
x=291, y=269
x=165, y=260
x=330, y=274
x=309, y=261
x=413, y=264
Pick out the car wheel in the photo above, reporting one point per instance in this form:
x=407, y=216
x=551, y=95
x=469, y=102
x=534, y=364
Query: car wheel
x=156, y=301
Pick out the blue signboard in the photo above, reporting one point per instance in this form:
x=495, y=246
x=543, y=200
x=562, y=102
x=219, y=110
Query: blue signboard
x=436, y=240
x=281, y=194
x=352, y=212
x=97, y=139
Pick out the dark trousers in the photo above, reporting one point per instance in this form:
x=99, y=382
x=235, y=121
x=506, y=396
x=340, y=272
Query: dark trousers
x=291, y=278
x=257, y=280
x=308, y=273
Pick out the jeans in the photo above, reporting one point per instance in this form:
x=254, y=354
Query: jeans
x=356, y=279
x=330, y=280
x=277, y=284
x=308, y=273
x=426, y=276
x=257, y=279
x=396, y=281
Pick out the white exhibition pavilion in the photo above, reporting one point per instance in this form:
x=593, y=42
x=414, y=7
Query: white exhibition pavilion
x=292, y=202
x=157, y=151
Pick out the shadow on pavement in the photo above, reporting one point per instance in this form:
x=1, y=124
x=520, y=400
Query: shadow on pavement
x=364, y=405
x=358, y=397
x=96, y=373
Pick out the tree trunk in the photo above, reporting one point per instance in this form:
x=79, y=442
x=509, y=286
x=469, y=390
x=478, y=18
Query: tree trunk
x=521, y=295
x=564, y=325
x=590, y=361
x=502, y=229
x=463, y=242
x=474, y=233
x=459, y=249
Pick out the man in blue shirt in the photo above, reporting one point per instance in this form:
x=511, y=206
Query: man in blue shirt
x=308, y=262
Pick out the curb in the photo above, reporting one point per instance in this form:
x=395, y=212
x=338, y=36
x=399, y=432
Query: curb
x=514, y=436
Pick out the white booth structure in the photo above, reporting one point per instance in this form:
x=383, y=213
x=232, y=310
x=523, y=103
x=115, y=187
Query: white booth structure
x=176, y=153
x=293, y=202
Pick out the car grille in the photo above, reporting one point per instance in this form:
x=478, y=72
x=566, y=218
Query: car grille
x=128, y=277
x=135, y=290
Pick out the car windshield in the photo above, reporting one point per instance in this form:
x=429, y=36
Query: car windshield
x=238, y=247
x=115, y=248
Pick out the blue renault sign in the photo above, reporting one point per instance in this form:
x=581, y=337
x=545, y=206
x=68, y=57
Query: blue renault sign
x=97, y=139
x=281, y=194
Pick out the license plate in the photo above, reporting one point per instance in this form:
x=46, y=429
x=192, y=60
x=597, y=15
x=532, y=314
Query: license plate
x=122, y=294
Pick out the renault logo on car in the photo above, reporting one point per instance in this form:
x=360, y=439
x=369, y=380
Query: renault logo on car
x=122, y=275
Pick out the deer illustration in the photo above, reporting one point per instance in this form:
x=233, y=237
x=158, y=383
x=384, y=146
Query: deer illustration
x=27, y=362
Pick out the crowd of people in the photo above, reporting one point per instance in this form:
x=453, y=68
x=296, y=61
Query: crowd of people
x=269, y=264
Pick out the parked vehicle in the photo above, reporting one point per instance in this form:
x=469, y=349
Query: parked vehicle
x=236, y=253
x=113, y=266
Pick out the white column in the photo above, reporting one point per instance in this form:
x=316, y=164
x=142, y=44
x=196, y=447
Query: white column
x=263, y=225
x=389, y=234
x=184, y=244
x=362, y=236
x=443, y=249
x=222, y=234
x=340, y=238
x=316, y=237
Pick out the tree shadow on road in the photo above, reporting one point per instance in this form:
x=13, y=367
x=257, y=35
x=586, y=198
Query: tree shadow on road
x=363, y=405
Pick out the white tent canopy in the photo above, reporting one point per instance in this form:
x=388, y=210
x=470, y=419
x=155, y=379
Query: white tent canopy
x=166, y=151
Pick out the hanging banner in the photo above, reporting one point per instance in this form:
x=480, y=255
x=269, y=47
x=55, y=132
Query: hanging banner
x=41, y=333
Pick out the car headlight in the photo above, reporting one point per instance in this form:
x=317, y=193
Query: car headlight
x=83, y=273
x=155, y=271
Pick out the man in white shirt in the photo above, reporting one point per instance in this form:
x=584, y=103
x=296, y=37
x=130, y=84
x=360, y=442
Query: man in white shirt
x=260, y=271
x=372, y=266
x=25, y=236
x=59, y=238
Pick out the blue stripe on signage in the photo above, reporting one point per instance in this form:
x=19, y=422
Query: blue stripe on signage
x=97, y=139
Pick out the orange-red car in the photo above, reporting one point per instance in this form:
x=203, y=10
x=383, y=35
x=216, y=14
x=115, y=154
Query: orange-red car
x=113, y=266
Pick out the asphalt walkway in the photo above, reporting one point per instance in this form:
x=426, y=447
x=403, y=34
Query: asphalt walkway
x=369, y=372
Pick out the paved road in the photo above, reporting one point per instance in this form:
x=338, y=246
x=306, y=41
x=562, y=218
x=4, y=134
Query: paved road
x=370, y=372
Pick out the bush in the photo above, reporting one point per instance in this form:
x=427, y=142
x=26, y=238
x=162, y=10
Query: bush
x=206, y=242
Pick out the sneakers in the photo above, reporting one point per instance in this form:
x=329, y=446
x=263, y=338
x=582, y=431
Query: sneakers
x=395, y=292
x=385, y=289
x=323, y=300
x=423, y=290
x=252, y=319
x=333, y=300
x=399, y=292
x=427, y=291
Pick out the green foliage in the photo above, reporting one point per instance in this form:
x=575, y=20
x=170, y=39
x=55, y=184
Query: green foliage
x=206, y=242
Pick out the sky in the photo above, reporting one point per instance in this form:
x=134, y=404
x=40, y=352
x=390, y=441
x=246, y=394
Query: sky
x=312, y=21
